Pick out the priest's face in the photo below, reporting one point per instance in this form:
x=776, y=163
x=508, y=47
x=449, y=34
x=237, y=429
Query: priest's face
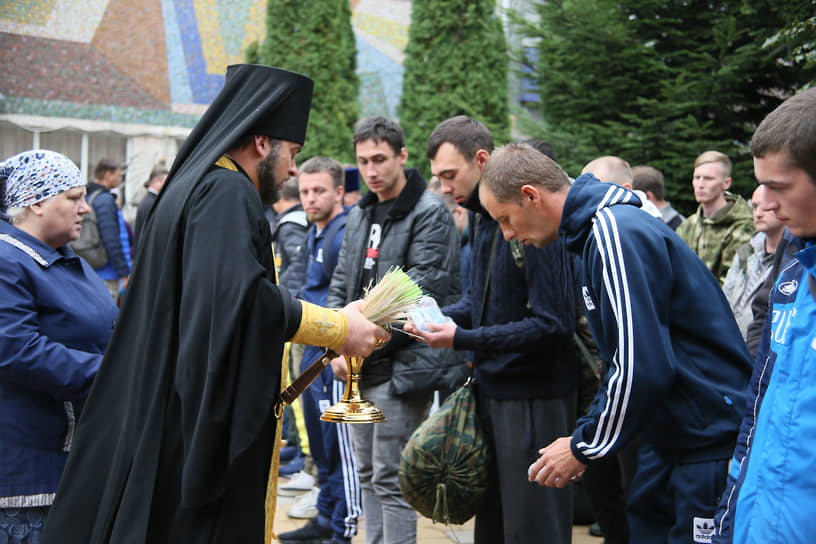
x=278, y=166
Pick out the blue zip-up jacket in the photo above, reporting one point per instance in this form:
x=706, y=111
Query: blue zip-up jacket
x=677, y=367
x=523, y=346
x=316, y=287
x=56, y=317
x=770, y=493
x=111, y=231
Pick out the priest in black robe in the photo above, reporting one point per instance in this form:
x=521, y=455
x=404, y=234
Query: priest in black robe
x=177, y=435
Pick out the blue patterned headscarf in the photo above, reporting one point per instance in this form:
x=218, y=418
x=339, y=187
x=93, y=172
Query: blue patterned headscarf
x=33, y=176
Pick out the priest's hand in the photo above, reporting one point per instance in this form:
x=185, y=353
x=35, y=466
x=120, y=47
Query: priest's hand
x=557, y=466
x=362, y=334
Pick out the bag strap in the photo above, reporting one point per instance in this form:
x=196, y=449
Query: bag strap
x=329, y=255
x=487, y=276
x=93, y=197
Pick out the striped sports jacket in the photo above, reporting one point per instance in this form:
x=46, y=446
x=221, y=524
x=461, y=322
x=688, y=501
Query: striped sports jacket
x=677, y=367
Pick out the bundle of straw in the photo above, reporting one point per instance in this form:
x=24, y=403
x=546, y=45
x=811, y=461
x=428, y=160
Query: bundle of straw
x=391, y=299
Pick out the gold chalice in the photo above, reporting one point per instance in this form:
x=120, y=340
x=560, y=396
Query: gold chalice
x=353, y=408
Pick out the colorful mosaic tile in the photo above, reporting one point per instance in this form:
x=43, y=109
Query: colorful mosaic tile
x=33, y=12
x=70, y=20
x=126, y=61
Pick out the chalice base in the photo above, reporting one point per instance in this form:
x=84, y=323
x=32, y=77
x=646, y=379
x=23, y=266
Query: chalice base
x=347, y=411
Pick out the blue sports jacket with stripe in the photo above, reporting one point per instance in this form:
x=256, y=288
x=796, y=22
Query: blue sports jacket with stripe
x=769, y=497
x=677, y=367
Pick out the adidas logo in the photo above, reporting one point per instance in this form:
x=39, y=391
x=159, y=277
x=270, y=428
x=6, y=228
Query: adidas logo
x=703, y=529
x=587, y=299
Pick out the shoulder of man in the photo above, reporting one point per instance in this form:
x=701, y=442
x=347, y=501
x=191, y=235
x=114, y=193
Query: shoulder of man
x=688, y=227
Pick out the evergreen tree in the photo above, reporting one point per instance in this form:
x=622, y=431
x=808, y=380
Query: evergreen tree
x=456, y=62
x=316, y=39
x=659, y=81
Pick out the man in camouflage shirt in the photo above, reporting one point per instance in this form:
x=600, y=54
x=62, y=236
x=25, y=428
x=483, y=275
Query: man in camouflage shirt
x=723, y=221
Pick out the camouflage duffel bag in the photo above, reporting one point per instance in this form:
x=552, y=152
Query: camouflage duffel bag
x=443, y=469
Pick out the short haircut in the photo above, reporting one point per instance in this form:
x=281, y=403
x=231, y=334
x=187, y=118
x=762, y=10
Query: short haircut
x=379, y=129
x=104, y=166
x=514, y=165
x=649, y=178
x=791, y=129
x=157, y=172
x=542, y=146
x=714, y=156
x=610, y=169
x=289, y=190
x=333, y=168
x=466, y=134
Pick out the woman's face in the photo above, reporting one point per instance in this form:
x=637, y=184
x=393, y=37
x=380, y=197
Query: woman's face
x=61, y=217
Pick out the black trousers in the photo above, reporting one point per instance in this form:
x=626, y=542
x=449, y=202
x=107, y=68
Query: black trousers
x=517, y=511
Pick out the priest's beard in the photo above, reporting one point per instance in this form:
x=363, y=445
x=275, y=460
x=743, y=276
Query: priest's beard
x=267, y=184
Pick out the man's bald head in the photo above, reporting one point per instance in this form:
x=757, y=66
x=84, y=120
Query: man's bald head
x=610, y=169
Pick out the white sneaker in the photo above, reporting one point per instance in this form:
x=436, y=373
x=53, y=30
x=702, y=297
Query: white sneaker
x=297, y=484
x=306, y=505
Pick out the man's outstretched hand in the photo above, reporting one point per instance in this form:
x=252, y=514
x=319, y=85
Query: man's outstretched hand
x=441, y=337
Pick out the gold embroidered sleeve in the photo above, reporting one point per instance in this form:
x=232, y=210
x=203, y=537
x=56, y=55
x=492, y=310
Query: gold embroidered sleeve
x=321, y=327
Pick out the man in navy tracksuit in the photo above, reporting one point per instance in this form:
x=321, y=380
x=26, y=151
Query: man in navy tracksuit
x=320, y=183
x=677, y=368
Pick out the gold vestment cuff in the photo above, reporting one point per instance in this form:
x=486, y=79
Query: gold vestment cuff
x=321, y=326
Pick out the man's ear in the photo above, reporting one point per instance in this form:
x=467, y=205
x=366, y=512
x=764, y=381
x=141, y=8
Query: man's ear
x=531, y=194
x=260, y=143
x=403, y=156
x=481, y=158
x=727, y=183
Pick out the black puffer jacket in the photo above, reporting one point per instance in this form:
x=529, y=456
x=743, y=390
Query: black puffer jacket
x=418, y=235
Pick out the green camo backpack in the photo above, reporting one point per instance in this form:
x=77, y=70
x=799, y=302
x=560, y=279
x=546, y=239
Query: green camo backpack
x=444, y=466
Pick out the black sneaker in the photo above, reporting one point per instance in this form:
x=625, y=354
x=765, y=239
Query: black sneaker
x=311, y=533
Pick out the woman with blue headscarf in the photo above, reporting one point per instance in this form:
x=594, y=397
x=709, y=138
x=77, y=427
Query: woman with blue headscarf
x=56, y=317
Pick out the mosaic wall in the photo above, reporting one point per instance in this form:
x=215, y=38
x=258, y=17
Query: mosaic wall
x=162, y=61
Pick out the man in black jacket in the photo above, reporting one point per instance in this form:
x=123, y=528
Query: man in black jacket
x=397, y=223
x=153, y=185
x=518, y=318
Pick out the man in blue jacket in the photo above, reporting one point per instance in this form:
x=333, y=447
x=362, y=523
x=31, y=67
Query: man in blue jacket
x=769, y=497
x=677, y=368
x=518, y=318
x=112, y=230
x=320, y=181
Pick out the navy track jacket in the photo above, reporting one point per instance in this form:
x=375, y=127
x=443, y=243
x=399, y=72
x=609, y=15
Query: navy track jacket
x=677, y=367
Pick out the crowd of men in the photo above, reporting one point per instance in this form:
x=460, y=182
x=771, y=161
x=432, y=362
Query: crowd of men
x=178, y=433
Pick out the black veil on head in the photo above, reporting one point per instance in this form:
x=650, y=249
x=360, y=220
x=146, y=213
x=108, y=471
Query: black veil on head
x=255, y=99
